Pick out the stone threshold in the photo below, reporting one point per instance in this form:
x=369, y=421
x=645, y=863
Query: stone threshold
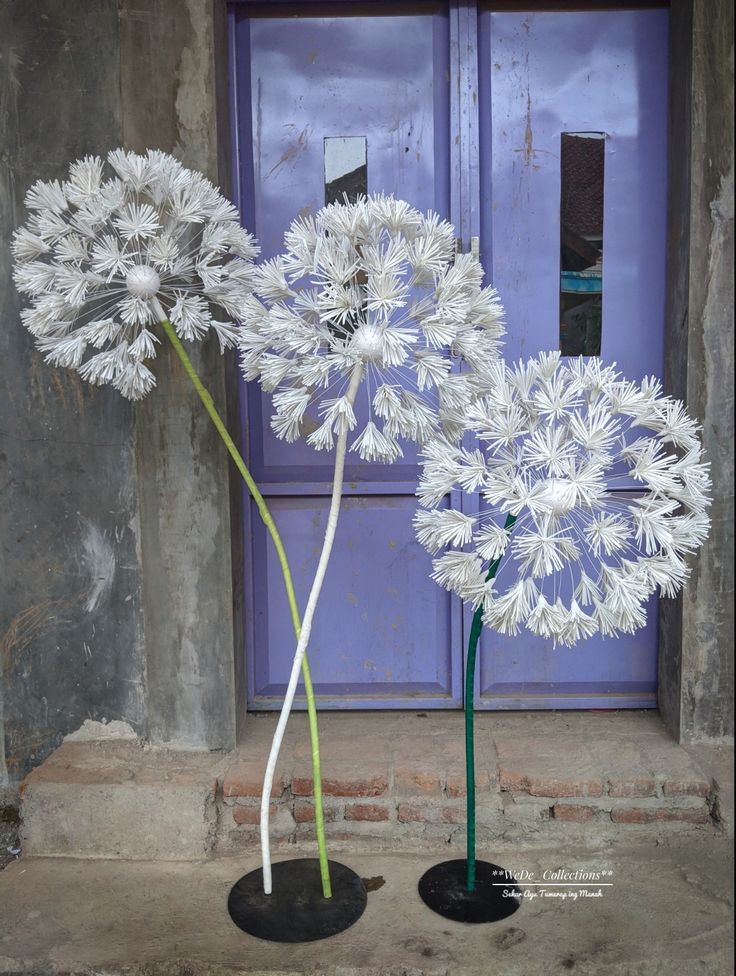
x=391, y=781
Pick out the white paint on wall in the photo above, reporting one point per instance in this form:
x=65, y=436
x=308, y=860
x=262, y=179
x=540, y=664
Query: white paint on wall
x=99, y=561
x=90, y=731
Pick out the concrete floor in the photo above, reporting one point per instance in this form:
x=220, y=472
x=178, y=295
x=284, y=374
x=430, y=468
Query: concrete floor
x=667, y=911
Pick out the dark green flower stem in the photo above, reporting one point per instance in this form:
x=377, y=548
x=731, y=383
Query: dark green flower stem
x=475, y=631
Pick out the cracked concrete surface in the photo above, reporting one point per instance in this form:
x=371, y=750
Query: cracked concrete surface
x=668, y=911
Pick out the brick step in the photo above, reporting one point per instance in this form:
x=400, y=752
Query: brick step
x=413, y=792
x=390, y=781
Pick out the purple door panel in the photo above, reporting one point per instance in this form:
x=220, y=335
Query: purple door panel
x=384, y=635
x=541, y=75
x=384, y=78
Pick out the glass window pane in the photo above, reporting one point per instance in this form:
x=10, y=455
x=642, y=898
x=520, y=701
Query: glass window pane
x=346, y=168
x=582, y=156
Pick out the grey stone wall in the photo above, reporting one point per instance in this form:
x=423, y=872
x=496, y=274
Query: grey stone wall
x=115, y=521
x=170, y=101
x=71, y=636
x=697, y=631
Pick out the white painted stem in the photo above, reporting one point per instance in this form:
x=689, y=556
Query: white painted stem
x=355, y=378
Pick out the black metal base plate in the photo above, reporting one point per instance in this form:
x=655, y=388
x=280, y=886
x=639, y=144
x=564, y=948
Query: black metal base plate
x=496, y=894
x=296, y=910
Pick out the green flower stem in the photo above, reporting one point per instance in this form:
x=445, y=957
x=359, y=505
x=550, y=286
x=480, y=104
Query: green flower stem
x=475, y=630
x=291, y=596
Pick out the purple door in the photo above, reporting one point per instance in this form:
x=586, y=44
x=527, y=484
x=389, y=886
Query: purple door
x=573, y=135
x=358, y=103
x=414, y=102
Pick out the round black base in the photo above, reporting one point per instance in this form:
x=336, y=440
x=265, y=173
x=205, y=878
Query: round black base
x=496, y=894
x=296, y=910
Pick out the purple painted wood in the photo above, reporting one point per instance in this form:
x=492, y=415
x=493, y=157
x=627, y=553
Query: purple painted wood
x=542, y=74
x=299, y=80
x=383, y=635
x=382, y=77
x=463, y=149
x=547, y=73
x=464, y=122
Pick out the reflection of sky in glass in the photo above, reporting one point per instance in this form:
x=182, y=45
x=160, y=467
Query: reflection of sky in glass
x=343, y=155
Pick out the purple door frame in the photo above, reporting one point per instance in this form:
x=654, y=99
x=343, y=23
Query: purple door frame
x=562, y=679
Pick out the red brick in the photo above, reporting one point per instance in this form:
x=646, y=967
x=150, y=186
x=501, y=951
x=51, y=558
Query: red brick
x=374, y=786
x=633, y=815
x=686, y=788
x=415, y=781
x=247, y=780
x=575, y=812
x=633, y=787
x=408, y=813
x=456, y=786
x=511, y=782
x=304, y=812
x=453, y=815
x=543, y=786
x=342, y=835
x=638, y=815
x=366, y=811
x=249, y=815
x=697, y=815
x=411, y=813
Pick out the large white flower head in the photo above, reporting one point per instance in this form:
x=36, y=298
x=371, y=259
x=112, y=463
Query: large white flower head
x=572, y=555
x=375, y=285
x=103, y=253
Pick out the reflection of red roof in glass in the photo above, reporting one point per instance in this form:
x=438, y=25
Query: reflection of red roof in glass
x=582, y=184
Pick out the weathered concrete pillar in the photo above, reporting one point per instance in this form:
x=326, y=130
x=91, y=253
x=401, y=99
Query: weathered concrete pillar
x=696, y=632
x=71, y=628
x=172, y=55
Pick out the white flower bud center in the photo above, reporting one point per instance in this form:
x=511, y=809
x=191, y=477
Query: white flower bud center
x=142, y=281
x=367, y=343
x=557, y=495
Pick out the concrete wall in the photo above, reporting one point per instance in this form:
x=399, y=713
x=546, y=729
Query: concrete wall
x=697, y=631
x=169, y=95
x=71, y=635
x=115, y=521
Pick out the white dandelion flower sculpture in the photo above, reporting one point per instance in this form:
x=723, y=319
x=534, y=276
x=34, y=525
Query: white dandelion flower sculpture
x=365, y=318
x=122, y=247
x=579, y=557
x=593, y=493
